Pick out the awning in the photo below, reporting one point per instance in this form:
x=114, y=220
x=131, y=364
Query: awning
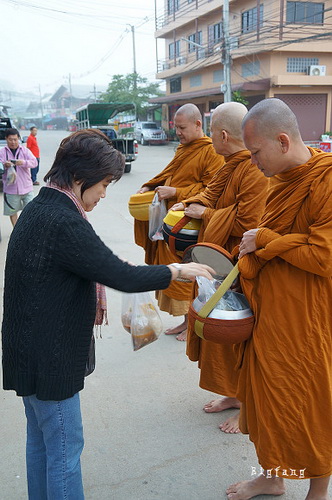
x=185, y=96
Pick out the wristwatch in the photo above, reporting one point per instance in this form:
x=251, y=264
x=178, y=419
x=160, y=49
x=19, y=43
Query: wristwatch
x=178, y=267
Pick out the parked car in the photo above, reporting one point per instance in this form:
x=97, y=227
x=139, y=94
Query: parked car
x=149, y=133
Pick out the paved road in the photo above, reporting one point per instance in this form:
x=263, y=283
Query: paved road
x=146, y=436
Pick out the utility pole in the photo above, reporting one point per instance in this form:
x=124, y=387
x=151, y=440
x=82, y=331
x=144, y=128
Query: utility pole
x=134, y=55
x=226, y=88
x=41, y=106
x=70, y=92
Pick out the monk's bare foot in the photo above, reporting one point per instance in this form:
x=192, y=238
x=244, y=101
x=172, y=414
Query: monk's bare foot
x=176, y=329
x=231, y=425
x=261, y=485
x=182, y=336
x=221, y=404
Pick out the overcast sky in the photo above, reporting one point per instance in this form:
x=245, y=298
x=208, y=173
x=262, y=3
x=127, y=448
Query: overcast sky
x=43, y=41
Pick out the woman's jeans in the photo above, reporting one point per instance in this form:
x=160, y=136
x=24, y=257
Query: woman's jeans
x=54, y=445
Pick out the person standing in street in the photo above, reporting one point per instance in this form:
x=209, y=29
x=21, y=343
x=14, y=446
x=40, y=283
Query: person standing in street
x=54, y=294
x=32, y=144
x=189, y=172
x=17, y=183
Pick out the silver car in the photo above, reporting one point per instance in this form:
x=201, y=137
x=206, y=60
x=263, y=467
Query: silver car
x=149, y=133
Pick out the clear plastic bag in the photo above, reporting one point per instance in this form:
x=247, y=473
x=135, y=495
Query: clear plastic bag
x=11, y=175
x=231, y=301
x=157, y=213
x=140, y=317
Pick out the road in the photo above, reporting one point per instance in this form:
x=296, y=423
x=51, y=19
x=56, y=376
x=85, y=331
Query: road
x=146, y=435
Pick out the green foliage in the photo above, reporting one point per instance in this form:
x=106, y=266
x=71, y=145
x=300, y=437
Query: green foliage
x=132, y=88
x=238, y=97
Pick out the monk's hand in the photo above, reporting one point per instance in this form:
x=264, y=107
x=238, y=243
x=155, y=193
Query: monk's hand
x=177, y=206
x=165, y=192
x=194, y=210
x=188, y=272
x=248, y=242
x=142, y=190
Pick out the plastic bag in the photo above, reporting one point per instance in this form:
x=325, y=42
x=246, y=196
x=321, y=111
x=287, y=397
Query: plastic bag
x=157, y=213
x=231, y=301
x=141, y=318
x=11, y=175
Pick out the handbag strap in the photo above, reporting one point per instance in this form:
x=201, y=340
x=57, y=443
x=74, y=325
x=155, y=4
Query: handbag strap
x=220, y=292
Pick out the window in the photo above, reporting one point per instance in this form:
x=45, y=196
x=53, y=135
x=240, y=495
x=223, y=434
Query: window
x=196, y=81
x=214, y=35
x=174, y=49
x=172, y=6
x=250, y=69
x=300, y=64
x=249, y=19
x=305, y=12
x=218, y=76
x=196, y=38
x=175, y=85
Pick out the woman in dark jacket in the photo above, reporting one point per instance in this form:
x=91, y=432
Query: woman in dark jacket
x=53, y=297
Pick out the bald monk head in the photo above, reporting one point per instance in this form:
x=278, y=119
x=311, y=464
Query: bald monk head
x=271, y=133
x=188, y=123
x=226, y=128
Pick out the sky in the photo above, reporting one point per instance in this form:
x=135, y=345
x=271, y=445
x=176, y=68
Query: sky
x=88, y=41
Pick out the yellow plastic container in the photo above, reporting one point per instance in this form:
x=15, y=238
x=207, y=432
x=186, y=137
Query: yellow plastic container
x=139, y=205
x=173, y=217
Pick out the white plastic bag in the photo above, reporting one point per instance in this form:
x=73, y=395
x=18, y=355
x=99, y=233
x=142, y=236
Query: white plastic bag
x=11, y=175
x=141, y=318
x=231, y=301
x=157, y=213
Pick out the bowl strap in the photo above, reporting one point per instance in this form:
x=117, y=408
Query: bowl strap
x=178, y=226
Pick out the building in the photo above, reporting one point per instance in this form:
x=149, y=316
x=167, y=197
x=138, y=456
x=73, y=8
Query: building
x=278, y=48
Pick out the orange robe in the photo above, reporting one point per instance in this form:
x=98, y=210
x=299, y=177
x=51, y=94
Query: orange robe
x=190, y=171
x=285, y=380
x=236, y=199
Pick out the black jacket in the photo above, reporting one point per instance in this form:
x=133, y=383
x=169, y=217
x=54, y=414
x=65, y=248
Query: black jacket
x=54, y=258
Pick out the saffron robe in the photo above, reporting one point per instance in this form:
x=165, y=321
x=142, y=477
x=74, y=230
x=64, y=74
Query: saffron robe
x=285, y=381
x=235, y=199
x=190, y=171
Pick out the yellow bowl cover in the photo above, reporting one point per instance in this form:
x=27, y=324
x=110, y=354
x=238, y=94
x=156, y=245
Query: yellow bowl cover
x=173, y=217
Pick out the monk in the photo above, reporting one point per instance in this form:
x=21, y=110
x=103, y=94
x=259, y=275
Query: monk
x=285, y=382
x=231, y=204
x=190, y=171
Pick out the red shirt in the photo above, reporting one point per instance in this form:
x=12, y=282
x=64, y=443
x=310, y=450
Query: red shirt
x=32, y=145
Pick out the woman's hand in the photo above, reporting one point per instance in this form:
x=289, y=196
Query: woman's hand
x=194, y=210
x=165, y=192
x=143, y=189
x=190, y=271
x=248, y=242
x=177, y=206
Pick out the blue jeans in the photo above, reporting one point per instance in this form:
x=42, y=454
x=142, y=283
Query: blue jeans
x=34, y=171
x=53, y=449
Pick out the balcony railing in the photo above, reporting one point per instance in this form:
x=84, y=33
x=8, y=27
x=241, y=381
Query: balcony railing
x=174, y=13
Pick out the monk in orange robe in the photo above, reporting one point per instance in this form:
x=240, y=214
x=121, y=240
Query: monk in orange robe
x=285, y=382
x=231, y=204
x=190, y=171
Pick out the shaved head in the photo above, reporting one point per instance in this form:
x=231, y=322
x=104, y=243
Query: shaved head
x=272, y=117
x=190, y=111
x=228, y=116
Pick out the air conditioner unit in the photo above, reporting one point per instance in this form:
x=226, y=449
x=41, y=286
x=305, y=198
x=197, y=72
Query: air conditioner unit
x=317, y=70
x=181, y=60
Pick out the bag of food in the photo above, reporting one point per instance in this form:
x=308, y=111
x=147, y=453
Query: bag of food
x=141, y=318
x=157, y=213
x=11, y=175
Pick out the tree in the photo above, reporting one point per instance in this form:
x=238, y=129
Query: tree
x=132, y=88
x=238, y=97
